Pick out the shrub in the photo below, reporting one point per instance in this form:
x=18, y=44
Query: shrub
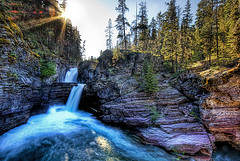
x=154, y=112
x=48, y=68
x=167, y=66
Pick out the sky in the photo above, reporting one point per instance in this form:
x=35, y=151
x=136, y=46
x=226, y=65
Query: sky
x=91, y=18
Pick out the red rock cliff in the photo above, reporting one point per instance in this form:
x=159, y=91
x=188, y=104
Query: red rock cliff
x=221, y=109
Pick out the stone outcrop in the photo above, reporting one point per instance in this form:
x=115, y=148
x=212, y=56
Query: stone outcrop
x=20, y=85
x=172, y=125
x=221, y=109
x=190, y=84
x=218, y=97
x=59, y=93
x=166, y=118
x=22, y=92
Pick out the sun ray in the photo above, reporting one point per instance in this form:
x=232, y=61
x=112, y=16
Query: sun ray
x=36, y=23
x=61, y=37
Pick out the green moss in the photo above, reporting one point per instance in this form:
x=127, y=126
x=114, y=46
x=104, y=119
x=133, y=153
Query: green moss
x=192, y=113
x=12, y=75
x=167, y=66
x=4, y=41
x=13, y=54
x=48, y=68
x=8, y=29
x=15, y=28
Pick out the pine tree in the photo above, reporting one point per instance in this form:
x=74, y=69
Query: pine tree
x=143, y=27
x=161, y=25
x=234, y=28
x=153, y=36
x=134, y=29
x=153, y=29
x=122, y=22
x=109, y=33
x=186, y=34
x=63, y=5
x=150, y=81
x=170, y=42
x=204, y=24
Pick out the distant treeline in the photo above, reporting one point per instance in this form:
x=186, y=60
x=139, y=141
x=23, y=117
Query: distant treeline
x=176, y=39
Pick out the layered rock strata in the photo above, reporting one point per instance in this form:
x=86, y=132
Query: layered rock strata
x=166, y=118
x=218, y=97
x=221, y=109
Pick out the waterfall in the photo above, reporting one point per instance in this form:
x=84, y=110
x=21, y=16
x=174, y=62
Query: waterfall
x=76, y=92
x=71, y=75
x=74, y=98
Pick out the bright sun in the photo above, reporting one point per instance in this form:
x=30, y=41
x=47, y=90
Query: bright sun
x=75, y=12
x=65, y=15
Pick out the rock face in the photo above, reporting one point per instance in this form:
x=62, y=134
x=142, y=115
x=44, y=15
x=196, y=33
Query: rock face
x=219, y=100
x=172, y=125
x=59, y=93
x=22, y=91
x=221, y=109
x=190, y=84
x=166, y=118
x=19, y=88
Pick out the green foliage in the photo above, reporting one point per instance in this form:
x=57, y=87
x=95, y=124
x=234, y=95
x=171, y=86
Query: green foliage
x=39, y=52
x=150, y=84
x=12, y=75
x=117, y=54
x=154, y=112
x=178, y=154
x=177, y=74
x=111, y=70
x=48, y=68
x=198, y=56
x=122, y=23
x=168, y=67
x=13, y=54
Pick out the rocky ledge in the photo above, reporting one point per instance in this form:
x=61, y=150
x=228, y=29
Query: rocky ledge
x=166, y=119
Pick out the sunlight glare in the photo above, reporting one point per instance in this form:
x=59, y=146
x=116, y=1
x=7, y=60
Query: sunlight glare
x=65, y=15
x=74, y=12
x=103, y=144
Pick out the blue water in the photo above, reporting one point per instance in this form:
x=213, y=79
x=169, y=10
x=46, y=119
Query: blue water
x=225, y=152
x=60, y=135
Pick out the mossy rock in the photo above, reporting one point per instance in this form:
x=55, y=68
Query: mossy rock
x=4, y=41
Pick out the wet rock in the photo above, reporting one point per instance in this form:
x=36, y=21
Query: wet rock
x=181, y=142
